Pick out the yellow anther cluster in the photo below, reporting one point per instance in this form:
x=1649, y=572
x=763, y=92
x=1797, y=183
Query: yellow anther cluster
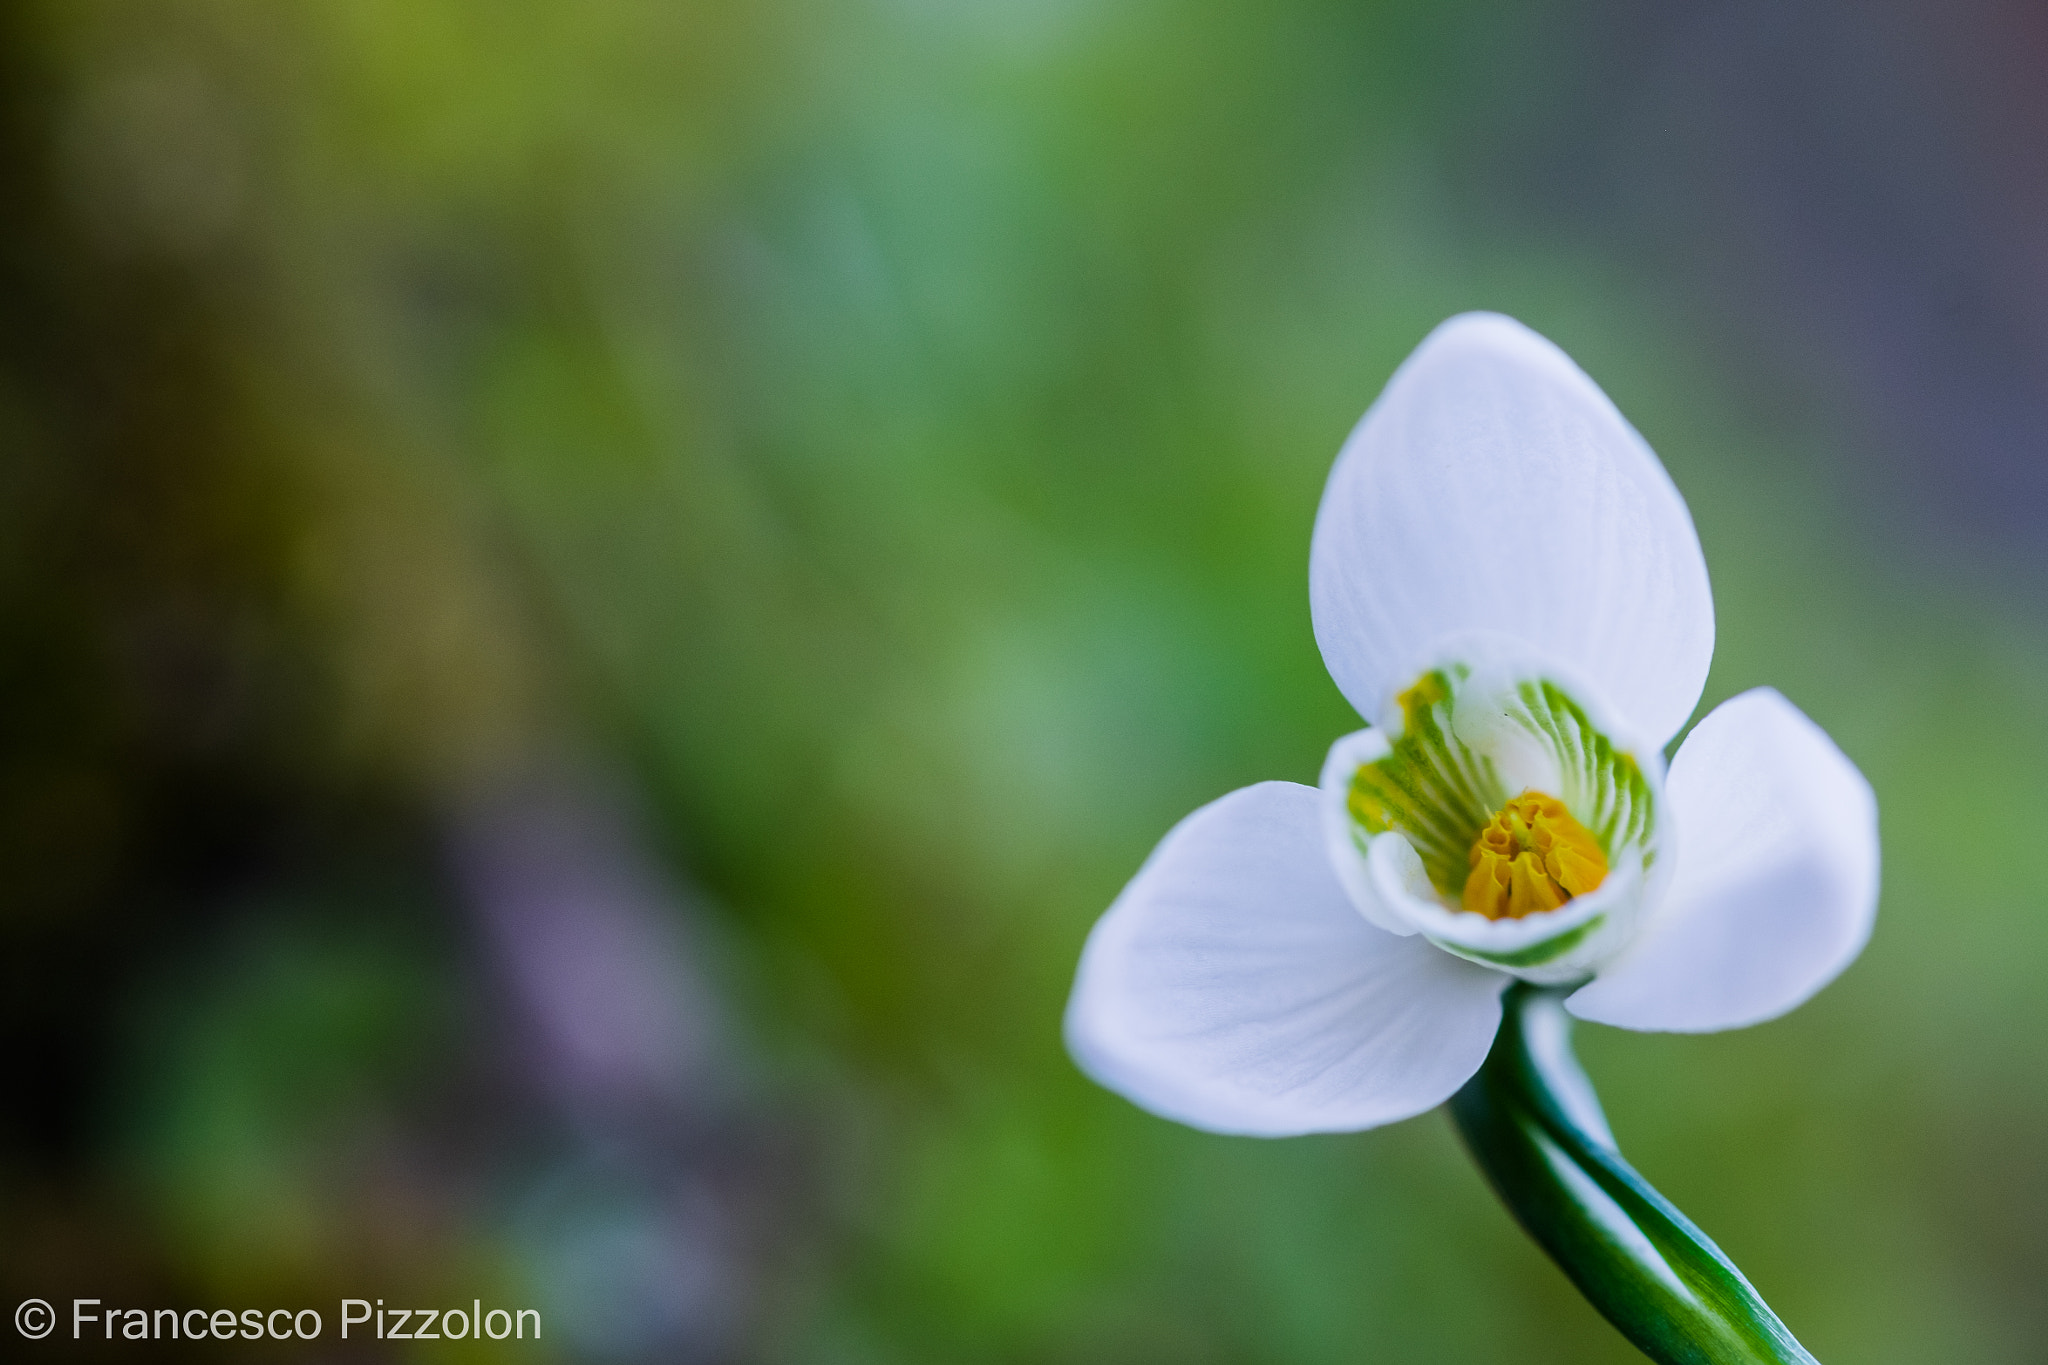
x=1532, y=856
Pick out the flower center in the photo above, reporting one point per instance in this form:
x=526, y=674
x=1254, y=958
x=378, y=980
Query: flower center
x=1531, y=856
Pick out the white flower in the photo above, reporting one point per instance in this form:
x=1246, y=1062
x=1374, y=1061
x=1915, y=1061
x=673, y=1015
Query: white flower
x=1506, y=582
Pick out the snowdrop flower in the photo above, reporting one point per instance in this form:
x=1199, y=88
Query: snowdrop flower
x=1505, y=582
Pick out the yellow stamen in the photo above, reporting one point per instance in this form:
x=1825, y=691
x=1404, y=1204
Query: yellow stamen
x=1532, y=856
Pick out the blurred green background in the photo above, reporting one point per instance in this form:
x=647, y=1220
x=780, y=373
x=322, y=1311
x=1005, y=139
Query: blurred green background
x=593, y=598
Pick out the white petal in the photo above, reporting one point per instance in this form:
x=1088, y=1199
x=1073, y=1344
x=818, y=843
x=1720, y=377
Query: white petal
x=1343, y=840
x=1493, y=487
x=1233, y=987
x=1551, y=948
x=1776, y=884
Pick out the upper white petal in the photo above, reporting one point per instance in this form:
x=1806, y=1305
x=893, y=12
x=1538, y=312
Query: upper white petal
x=1493, y=487
x=1233, y=987
x=1776, y=884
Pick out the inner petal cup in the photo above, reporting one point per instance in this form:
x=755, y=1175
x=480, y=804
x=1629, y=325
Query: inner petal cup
x=1406, y=809
x=1553, y=947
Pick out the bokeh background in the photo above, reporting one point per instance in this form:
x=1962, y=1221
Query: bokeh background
x=594, y=597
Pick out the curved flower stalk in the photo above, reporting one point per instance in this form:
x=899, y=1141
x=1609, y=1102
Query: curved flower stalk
x=1506, y=584
x=1536, y=1129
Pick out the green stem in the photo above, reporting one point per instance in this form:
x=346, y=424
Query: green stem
x=1534, y=1125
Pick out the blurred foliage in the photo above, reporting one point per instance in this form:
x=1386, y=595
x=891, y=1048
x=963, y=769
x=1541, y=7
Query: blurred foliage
x=888, y=434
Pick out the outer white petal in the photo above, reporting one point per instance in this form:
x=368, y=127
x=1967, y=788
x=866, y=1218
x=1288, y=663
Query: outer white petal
x=1233, y=987
x=1776, y=884
x=1493, y=487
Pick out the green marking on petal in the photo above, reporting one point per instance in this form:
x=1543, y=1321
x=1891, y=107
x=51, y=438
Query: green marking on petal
x=1536, y=954
x=1604, y=786
x=1430, y=787
x=1440, y=793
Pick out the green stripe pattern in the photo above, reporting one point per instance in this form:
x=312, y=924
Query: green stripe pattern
x=1604, y=788
x=1439, y=792
x=1430, y=786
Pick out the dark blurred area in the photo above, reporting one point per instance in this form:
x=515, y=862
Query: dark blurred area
x=593, y=598
x=1851, y=194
